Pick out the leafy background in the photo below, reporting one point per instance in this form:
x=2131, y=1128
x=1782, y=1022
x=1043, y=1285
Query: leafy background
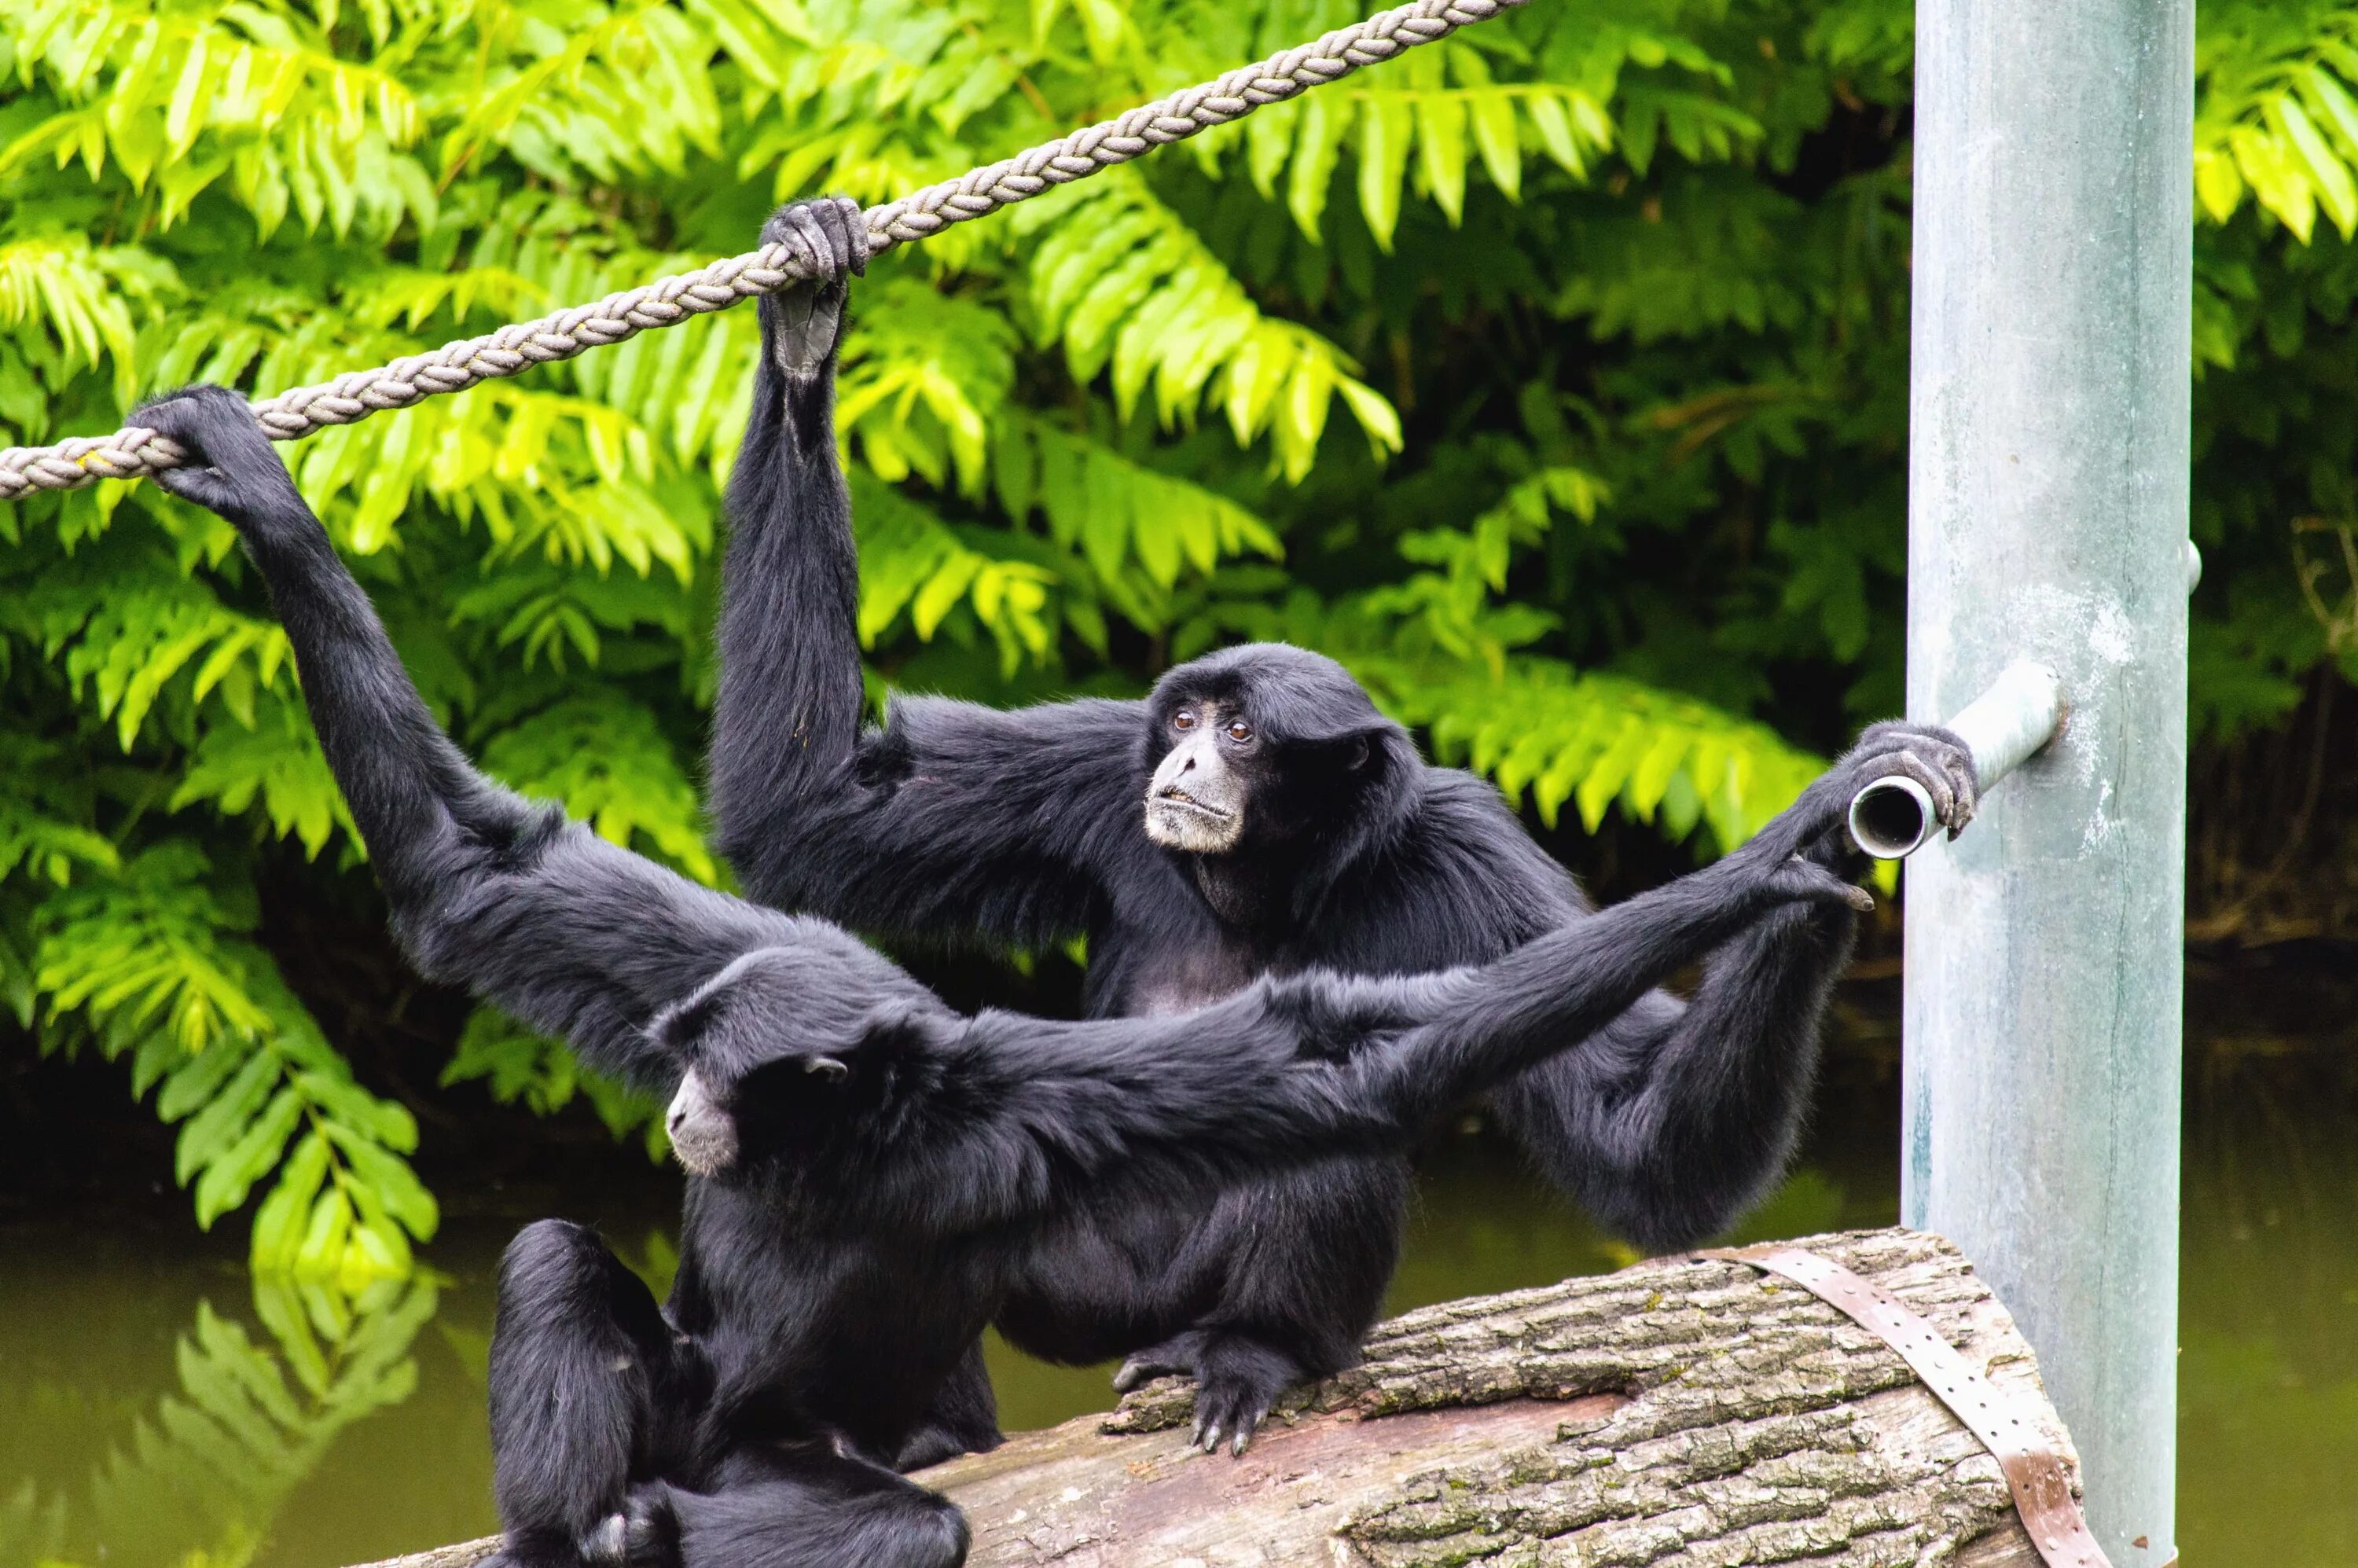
x=1553, y=378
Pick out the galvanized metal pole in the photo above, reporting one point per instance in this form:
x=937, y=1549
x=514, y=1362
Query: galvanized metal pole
x=2048, y=520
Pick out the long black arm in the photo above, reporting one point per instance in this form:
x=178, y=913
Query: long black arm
x=953, y=821
x=1033, y=1117
x=1677, y=1116
x=575, y=936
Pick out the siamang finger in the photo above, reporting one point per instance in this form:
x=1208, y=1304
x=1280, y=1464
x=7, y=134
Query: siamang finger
x=779, y=229
x=1215, y=1418
x=1966, y=783
x=1877, y=736
x=1910, y=764
x=1803, y=878
x=820, y=249
x=827, y=218
x=211, y=424
x=1936, y=783
x=840, y=216
x=1144, y=1367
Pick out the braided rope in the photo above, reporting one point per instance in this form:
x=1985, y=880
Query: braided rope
x=135, y=451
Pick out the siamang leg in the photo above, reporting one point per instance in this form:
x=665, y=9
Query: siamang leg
x=963, y=1418
x=1275, y=1285
x=814, y=1507
x=579, y=1358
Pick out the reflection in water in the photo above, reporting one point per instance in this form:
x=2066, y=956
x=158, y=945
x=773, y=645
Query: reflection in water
x=197, y=1475
x=2268, y=1323
x=155, y=1407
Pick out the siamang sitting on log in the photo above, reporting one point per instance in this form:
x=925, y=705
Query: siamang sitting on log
x=870, y=1173
x=1254, y=816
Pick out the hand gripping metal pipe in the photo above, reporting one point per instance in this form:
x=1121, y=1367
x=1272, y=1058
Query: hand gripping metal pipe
x=2003, y=728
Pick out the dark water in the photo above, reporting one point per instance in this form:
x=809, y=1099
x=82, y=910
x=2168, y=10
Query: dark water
x=157, y=1407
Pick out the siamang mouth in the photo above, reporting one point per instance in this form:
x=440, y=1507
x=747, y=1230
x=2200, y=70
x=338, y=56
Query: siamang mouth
x=702, y=1159
x=1181, y=797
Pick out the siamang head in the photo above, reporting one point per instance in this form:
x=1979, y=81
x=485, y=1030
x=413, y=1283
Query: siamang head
x=777, y=1056
x=1267, y=746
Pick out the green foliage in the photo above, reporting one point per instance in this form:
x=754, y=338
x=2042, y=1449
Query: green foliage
x=145, y=964
x=2279, y=121
x=1552, y=377
x=518, y=1067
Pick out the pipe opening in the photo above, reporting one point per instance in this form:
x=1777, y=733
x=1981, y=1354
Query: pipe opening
x=1891, y=818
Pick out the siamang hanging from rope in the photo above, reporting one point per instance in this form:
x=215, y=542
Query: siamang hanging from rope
x=1255, y=815
x=870, y=1173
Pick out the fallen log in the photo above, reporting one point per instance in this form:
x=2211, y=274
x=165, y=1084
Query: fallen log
x=1675, y=1415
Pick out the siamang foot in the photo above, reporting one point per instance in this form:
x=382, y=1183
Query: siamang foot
x=800, y=324
x=933, y=1442
x=645, y=1534
x=1175, y=1358
x=1237, y=1381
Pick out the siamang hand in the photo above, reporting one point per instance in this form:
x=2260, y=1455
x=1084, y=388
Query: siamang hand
x=1803, y=878
x=233, y=470
x=1237, y=1381
x=1333, y=1017
x=801, y=323
x=1816, y=825
x=1933, y=757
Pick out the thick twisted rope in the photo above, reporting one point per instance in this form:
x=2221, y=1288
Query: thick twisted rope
x=135, y=451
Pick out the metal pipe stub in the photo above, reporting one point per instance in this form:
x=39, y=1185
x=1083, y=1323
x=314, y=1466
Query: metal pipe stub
x=2003, y=728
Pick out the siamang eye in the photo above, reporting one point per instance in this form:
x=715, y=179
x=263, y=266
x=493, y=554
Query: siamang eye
x=1184, y=719
x=1241, y=732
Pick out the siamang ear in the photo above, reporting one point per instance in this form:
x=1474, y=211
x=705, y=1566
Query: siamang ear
x=675, y=1028
x=1360, y=750
x=896, y=1026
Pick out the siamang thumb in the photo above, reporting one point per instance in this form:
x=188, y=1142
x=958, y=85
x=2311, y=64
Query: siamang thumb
x=207, y=487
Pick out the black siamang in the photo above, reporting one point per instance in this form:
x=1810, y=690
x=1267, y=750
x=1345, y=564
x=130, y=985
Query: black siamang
x=869, y=1172
x=1255, y=815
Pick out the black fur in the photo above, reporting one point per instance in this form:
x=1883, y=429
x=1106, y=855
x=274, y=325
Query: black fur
x=891, y=1169
x=1024, y=829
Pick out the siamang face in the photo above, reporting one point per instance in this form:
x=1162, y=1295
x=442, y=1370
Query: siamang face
x=718, y=1124
x=1200, y=793
x=772, y=1062
x=1256, y=747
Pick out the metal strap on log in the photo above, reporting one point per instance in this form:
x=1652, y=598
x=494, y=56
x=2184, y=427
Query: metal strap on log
x=2035, y=1470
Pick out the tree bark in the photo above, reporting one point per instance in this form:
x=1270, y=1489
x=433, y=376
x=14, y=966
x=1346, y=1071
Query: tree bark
x=1677, y=1414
